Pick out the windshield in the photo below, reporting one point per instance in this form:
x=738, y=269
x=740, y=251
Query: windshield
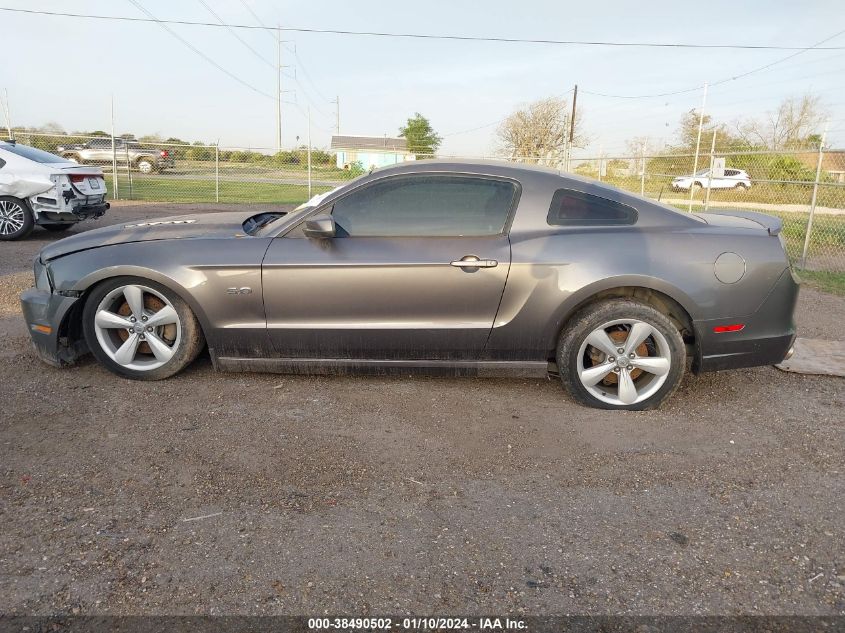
x=702, y=172
x=315, y=200
x=30, y=153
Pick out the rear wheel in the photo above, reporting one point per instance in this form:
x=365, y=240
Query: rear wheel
x=139, y=329
x=741, y=186
x=146, y=166
x=621, y=354
x=16, y=219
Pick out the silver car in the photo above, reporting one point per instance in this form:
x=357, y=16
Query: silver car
x=449, y=267
x=41, y=189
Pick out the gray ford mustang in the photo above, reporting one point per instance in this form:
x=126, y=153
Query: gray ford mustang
x=456, y=267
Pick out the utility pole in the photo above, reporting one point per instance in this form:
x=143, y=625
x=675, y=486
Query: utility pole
x=278, y=88
x=571, y=128
x=337, y=111
x=309, y=152
x=7, y=113
x=115, y=194
x=697, y=148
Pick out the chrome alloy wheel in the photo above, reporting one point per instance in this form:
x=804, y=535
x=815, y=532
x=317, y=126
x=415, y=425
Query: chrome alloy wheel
x=137, y=327
x=624, y=362
x=12, y=217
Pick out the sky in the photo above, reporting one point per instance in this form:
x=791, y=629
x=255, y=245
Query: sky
x=67, y=70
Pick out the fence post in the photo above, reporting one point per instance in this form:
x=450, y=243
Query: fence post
x=697, y=148
x=217, y=171
x=710, y=173
x=128, y=168
x=813, y=203
x=642, y=171
x=115, y=194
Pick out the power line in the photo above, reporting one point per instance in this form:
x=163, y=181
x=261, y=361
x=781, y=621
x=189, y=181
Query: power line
x=481, y=127
x=298, y=59
x=431, y=36
x=236, y=36
x=257, y=19
x=197, y=51
x=815, y=46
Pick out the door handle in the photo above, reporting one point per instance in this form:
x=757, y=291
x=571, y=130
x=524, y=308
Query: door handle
x=471, y=261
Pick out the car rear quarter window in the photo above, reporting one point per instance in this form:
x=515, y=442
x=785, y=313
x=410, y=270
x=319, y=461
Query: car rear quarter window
x=576, y=208
x=426, y=206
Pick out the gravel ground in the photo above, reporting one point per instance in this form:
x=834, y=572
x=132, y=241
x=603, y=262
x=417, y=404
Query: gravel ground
x=262, y=494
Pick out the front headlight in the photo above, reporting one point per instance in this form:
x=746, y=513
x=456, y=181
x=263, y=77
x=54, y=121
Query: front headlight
x=42, y=276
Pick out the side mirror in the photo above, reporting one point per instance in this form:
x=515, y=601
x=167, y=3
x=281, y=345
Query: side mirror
x=321, y=226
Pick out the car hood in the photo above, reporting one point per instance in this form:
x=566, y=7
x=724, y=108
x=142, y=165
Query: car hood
x=202, y=225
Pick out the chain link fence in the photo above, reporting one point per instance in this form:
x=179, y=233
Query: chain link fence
x=806, y=189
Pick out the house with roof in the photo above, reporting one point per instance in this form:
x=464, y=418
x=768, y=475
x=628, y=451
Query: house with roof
x=370, y=151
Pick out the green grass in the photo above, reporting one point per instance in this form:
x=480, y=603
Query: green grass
x=824, y=280
x=203, y=190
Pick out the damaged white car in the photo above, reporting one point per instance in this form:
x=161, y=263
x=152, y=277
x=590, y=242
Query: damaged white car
x=39, y=188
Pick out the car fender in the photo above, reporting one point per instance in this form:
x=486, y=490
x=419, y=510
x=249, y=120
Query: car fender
x=87, y=281
x=582, y=296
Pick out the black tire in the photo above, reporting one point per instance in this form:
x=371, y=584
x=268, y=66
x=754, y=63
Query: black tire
x=58, y=228
x=191, y=340
x=14, y=212
x=741, y=185
x=591, y=318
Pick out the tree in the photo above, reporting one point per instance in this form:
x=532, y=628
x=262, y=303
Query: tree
x=688, y=134
x=422, y=140
x=794, y=125
x=538, y=133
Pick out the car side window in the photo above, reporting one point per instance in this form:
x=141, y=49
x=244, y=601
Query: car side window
x=731, y=172
x=99, y=143
x=425, y=206
x=576, y=208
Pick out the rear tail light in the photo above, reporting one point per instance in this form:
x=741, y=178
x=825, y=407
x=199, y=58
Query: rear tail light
x=736, y=327
x=78, y=177
x=164, y=153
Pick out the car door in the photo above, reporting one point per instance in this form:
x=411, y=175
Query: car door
x=416, y=271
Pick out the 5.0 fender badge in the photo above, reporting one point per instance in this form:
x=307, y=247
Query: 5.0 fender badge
x=239, y=291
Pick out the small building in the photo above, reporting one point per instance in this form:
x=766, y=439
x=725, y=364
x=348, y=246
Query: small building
x=369, y=151
x=833, y=163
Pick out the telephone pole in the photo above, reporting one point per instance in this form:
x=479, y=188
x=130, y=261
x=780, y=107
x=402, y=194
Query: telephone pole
x=337, y=112
x=568, y=153
x=278, y=88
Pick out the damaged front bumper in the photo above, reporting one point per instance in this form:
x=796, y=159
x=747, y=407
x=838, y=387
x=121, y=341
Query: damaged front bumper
x=45, y=313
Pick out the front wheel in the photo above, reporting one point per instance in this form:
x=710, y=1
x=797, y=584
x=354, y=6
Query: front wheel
x=139, y=329
x=621, y=354
x=16, y=221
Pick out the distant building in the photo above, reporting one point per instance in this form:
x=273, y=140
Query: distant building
x=833, y=163
x=369, y=151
